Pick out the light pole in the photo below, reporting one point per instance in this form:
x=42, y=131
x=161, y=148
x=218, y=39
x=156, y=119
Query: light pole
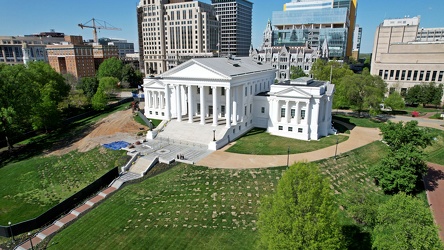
x=10, y=230
x=30, y=240
x=288, y=155
x=214, y=134
x=336, y=150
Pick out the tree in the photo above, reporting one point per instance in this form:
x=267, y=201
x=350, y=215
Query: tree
x=403, y=222
x=101, y=97
x=402, y=169
x=362, y=206
x=414, y=95
x=361, y=91
x=394, y=101
x=111, y=67
x=131, y=76
x=321, y=70
x=52, y=90
x=301, y=214
x=429, y=93
x=89, y=86
x=296, y=72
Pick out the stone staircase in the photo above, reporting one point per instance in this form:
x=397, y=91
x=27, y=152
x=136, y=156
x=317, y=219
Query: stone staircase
x=143, y=164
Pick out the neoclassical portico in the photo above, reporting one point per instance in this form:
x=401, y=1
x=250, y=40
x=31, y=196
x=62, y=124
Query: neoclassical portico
x=217, y=100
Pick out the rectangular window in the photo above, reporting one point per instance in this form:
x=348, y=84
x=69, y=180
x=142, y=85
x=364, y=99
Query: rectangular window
x=198, y=90
x=251, y=108
x=246, y=91
x=222, y=92
x=397, y=75
x=403, y=75
x=441, y=74
x=263, y=110
x=245, y=110
x=251, y=90
x=386, y=74
x=391, y=74
x=293, y=112
x=300, y=130
x=434, y=76
x=198, y=108
x=427, y=78
x=409, y=75
x=222, y=110
x=403, y=92
x=421, y=75
x=415, y=75
x=290, y=129
x=282, y=112
x=380, y=72
x=281, y=128
x=210, y=90
x=302, y=114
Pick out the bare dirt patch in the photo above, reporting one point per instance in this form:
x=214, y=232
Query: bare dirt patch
x=115, y=127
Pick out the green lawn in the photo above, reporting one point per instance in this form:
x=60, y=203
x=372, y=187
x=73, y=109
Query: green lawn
x=435, y=153
x=191, y=207
x=188, y=207
x=30, y=187
x=258, y=142
x=361, y=122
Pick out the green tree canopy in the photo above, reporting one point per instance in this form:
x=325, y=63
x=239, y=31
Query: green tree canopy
x=111, y=67
x=394, y=101
x=321, y=70
x=360, y=92
x=402, y=169
x=301, y=214
x=131, y=76
x=89, y=86
x=425, y=93
x=404, y=222
x=106, y=87
x=296, y=72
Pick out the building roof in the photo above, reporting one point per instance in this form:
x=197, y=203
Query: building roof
x=302, y=81
x=227, y=67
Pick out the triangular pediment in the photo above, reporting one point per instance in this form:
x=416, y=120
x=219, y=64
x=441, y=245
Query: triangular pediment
x=293, y=92
x=194, y=70
x=153, y=84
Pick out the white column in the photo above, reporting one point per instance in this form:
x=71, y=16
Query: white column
x=167, y=102
x=190, y=104
x=278, y=111
x=235, y=106
x=214, y=106
x=228, y=107
x=287, y=111
x=154, y=100
x=145, y=90
x=202, y=104
x=148, y=98
x=178, y=104
x=297, y=113
x=307, y=112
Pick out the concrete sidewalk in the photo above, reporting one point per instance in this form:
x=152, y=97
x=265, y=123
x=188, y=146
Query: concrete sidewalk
x=359, y=137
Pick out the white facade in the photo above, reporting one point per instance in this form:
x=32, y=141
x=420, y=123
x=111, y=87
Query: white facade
x=231, y=96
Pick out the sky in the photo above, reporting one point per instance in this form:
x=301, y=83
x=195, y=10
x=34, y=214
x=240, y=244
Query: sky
x=23, y=17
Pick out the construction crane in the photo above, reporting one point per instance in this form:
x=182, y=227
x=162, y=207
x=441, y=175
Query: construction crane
x=101, y=25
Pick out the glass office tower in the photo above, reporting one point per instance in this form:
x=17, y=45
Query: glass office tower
x=311, y=22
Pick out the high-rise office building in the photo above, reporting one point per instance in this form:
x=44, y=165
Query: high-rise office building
x=173, y=31
x=405, y=55
x=312, y=22
x=235, y=19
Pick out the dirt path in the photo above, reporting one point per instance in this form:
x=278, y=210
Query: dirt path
x=115, y=127
x=434, y=183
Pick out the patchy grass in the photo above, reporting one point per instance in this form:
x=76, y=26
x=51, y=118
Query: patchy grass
x=187, y=207
x=30, y=187
x=361, y=122
x=436, y=116
x=191, y=207
x=258, y=142
x=435, y=152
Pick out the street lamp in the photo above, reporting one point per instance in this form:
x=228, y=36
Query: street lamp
x=336, y=150
x=214, y=134
x=30, y=240
x=10, y=230
x=288, y=155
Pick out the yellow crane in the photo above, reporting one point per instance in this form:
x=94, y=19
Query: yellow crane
x=101, y=25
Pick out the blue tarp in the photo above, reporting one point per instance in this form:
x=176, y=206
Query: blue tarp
x=117, y=145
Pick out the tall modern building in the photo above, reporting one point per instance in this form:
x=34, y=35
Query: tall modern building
x=235, y=17
x=315, y=22
x=173, y=31
x=357, y=42
x=405, y=54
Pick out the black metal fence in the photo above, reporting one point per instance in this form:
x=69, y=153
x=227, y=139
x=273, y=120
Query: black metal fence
x=61, y=208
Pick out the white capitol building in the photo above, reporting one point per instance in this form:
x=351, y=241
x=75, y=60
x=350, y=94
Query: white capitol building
x=212, y=101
